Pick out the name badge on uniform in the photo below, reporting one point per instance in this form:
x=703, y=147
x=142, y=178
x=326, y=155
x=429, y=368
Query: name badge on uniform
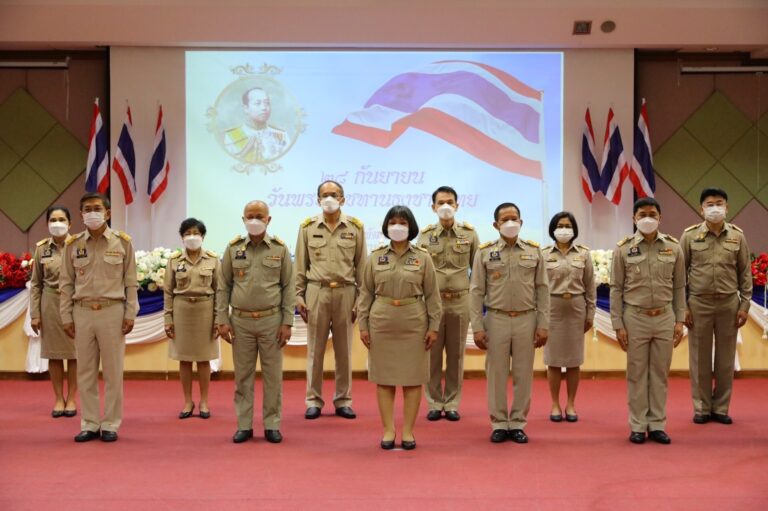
x=47, y=252
x=495, y=255
x=240, y=254
x=665, y=251
x=633, y=251
x=700, y=239
x=412, y=261
x=347, y=235
x=317, y=235
x=462, y=242
x=383, y=259
x=732, y=240
x=578, y=258
x=273, y=257
x=552, y=260
x=527, y=257
x=181, y=268
x=81, y=253
x=113, y=253
x=433, y=239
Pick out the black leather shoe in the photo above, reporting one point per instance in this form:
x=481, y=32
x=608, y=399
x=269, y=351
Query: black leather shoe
x=452, y=415
x=408, y=445
x=86, y=436
x=660, y=437
x=498, y=436
x=518, y=436
x=434, y=415
x=109, y=436
x=273, y=436
x=57, y=413
x=701, y=418
x=205, y=415
x=312, y=412
x=722, y=418
x=556, y=418
x=571, y=418
x=187, y=414
x=241, y=435
x=637, y=437
x=387, y=445
x=70, y=413
x=346, y=412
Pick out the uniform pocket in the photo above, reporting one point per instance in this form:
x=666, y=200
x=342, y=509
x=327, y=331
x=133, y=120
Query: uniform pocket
x=666, y=267
x=240, y=269
x=527, y=269
x=461, y=254
x=317, y=249
x=635, y=268
x=114, y=265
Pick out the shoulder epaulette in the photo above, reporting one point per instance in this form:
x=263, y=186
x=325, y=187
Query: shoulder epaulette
x=694, y=226
x=485, y=245
x=548, y=247
x=626, y=239
x=737, y=228
x=123, y=235
x=42, y=242
x=428, y=228
x=672, y=238
x=583, y=247
x=72, y=239
x=467, y=225
x=420, y=248
x=356, y=221
x=531, y=243
x=383, y=245
x=278, y=240
x=210, y=253
x=175, y=254
x=307, y=221
x=236, y=239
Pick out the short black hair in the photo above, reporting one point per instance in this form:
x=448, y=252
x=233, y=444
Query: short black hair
x=557, y=218
x=504, y=205
x=248, y=92
x=405, y=213
x=58, y=207
x=445, y=189
x=96, y=195
x=712, y=192
x=330, y=181
x=646, y=201
x=189, y=223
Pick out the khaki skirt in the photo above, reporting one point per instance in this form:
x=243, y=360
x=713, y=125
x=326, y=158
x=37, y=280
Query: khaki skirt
x=565, y=347
x=397, y=356
x=56, y=345
x=193, y=326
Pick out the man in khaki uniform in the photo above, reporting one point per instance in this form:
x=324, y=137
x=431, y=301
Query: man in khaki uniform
x=452, y=246
x=99, y=303
x=330, y=258
x=647, y=312
x=509, y=278
x=717, y=261
x=257, y=282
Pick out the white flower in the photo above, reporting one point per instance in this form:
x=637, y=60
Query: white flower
x=24, y=263
x=140, y=276
x=152, y=287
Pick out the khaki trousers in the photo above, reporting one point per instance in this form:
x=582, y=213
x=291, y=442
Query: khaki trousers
x=451, y=339
x=509, y=336
x=712, y=316
x=649, y=357
x=99, y=337
x=329, y=312
x=256, y=338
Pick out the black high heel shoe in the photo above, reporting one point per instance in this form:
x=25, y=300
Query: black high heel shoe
x=187, y=415
x=408, y=445
x=205, y=415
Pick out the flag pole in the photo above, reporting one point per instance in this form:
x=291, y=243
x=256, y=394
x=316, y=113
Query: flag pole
x=544, y=191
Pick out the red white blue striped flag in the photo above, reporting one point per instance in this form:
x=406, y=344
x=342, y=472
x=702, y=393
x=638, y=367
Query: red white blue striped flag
x=97, y=166
x=614, y=168
x=641, y=172
x=124, y=163
x=590, y=174
x=159, y=167
x=478, y=108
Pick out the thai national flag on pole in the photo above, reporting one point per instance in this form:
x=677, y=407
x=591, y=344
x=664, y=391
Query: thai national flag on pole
x=590, y=174
x=97, y=167
x=478, y=108
x=124, y=163
x=614, y=168
x=641, y=172
x=159, y=167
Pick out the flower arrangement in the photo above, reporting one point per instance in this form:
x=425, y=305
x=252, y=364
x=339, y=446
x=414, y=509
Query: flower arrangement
x=150, y=267
x=759, y=269
x=15, y=271
x=601, y=261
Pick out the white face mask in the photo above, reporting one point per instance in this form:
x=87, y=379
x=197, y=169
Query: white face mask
x=58, y=229
x=193, y=242
x=93, y=219
x=510, y=229
x=397, y=232
x=446, y=211
x=255, y=227
x=714, y=214
x=329, y=204
x=563, y=234
x=647, y=225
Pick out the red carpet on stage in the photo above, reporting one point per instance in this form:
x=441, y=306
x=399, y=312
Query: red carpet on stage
x=161, y=462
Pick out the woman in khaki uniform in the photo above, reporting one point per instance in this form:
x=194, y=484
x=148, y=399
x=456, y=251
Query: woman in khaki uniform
x=189, y=303
x=44, y=311
x=572, y=295
x=400, y=310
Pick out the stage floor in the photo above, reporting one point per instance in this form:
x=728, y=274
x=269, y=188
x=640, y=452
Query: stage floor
x=161, y=462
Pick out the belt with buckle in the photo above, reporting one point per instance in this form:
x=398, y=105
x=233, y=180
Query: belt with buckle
x=512, y=314
x=255, y=314
x=193, y=299
x=333, y=284
x=51, y=290
x=650, y=312
x=97, y=304
x=716, y=296
x=450, y=295
x=399, y=302
x=568, y=296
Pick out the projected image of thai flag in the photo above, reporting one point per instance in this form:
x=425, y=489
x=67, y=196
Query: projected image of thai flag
x=478, y=108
